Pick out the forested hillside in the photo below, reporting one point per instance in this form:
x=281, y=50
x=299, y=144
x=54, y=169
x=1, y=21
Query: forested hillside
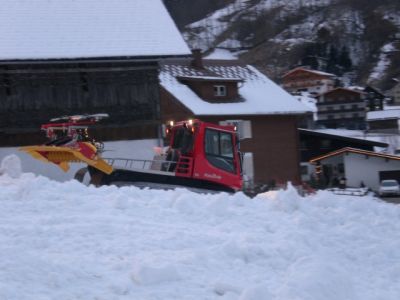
x=356, y=39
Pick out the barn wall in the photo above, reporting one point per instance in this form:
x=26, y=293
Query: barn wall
x=31, y=94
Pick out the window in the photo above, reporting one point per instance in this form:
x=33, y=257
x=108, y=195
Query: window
x=355, y=115
x=303, y=170
x=243, y=127
x=219, y=150
x=183, y=140
x=219, y=90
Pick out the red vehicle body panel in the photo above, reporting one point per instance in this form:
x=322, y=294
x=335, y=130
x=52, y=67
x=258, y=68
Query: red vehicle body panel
x=195, y=162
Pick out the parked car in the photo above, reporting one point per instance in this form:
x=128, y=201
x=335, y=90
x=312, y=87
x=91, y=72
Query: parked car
x=389, y=187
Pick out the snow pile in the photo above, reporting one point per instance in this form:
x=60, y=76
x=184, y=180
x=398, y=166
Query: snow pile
x=68, y=241
x=11, y=166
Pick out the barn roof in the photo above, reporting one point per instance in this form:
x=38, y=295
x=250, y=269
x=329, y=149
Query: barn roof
x=260, y=95
x=70, y=29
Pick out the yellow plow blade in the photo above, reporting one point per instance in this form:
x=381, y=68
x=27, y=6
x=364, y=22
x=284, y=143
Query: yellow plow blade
x=62, y=156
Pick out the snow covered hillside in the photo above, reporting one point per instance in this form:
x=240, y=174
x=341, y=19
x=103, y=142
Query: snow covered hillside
x=356, y=39
x=67, y=241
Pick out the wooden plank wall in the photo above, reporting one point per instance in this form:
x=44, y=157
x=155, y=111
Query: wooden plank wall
x=31, y=94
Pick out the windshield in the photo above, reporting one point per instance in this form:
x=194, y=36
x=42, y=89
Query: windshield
x=183, y=140
x=387, y=183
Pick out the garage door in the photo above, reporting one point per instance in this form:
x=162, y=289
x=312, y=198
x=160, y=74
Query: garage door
x=389, y=175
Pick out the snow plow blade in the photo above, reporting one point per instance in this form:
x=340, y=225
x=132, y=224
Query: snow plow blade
x=63, y=156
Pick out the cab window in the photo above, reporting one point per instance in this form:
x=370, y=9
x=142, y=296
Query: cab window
x=219, y=149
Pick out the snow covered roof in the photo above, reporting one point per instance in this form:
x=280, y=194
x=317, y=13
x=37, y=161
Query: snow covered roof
x=208, y=78
x=260, y=95
x=64, y=29
x=308, y=71
x=333, y=136
x=383, y=114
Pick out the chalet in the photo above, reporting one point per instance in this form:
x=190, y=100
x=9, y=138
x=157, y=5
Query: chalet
x=359, y=167
x=342, y=108
x=83, y=56
x=314, y=143
x=374, y=98
x=385, y=121
x=305, y=80
x=229, y=92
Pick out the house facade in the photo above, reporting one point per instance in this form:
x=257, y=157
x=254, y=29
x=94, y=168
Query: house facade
x=359, y=167
x=228, y=92
x=342, y=108
x=314, y=143
x=94, y=59
x=305, y=80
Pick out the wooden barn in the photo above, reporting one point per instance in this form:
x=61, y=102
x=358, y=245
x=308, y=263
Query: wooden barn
x=83, y=56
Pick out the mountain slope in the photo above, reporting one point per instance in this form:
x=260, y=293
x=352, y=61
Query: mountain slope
x=353, y=38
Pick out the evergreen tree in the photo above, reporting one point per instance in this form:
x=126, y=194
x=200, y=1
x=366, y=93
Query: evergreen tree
x=345, y=60
x=332, y=62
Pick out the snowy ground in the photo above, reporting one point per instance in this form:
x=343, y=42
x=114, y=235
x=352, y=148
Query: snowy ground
x=67, y=241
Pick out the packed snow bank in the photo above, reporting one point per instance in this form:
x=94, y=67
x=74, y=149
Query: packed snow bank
x=11, y=166
x=68, y=241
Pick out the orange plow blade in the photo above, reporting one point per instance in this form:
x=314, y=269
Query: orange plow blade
x=62, y=156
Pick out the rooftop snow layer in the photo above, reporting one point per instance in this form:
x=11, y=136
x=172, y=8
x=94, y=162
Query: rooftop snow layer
x=56, y=29
x=383, y=114
x=261, y=95
x=309, y=71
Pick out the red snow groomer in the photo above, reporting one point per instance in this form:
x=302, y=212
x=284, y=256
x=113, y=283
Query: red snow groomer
x=200, y=156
